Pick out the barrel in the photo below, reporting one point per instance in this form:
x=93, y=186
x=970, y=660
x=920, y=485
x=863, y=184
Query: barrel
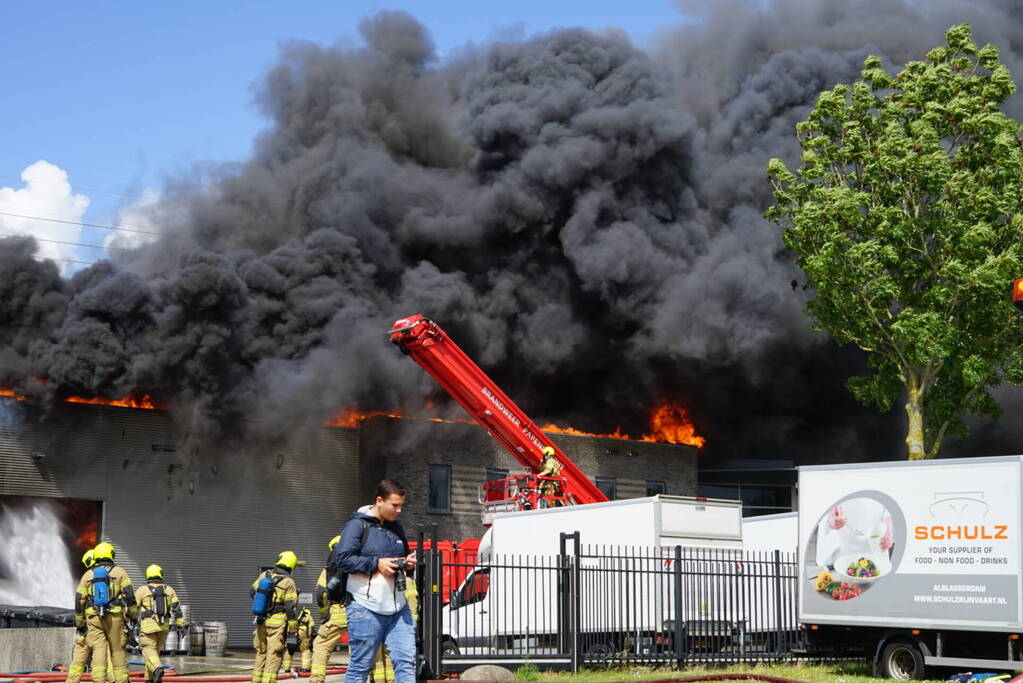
x=185, y=637
x=196, y=641
x=170, y=646
x=215, y=633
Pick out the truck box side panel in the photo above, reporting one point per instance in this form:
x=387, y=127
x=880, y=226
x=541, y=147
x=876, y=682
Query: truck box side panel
x=940, y=541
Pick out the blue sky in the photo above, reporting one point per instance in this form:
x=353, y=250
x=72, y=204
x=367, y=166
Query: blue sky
x=118, y=95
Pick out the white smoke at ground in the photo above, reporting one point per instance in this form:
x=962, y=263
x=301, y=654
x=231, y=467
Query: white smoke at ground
x=34, y=567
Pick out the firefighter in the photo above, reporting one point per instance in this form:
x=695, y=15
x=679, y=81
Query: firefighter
x=104, y=600
x=271, y=634
x=304, y=633
x=81, y=652
x=383, y=669
x=333, y=624
x=549, y=467
x=158, y=605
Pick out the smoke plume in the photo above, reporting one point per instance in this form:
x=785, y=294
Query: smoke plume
x=582, y=216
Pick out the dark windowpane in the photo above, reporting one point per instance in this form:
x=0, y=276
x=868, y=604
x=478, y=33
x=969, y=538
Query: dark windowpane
x=495, y=473
x=654, y=488
x=440, y=489
x=608, y=486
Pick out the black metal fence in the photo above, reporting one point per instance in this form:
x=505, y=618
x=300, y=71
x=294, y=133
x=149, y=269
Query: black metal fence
x=605, y=606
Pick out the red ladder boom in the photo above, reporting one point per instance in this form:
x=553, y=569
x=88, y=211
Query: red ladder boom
x=465, y=382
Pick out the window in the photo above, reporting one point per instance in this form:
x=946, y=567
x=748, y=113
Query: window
x=475, y=588
x=496, y=473
x=440, y=489
x=654, y=488
x=608, y=485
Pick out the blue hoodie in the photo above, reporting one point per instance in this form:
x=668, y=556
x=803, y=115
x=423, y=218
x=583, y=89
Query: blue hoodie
x=368, y=587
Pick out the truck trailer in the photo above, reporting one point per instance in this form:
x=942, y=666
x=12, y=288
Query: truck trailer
x=915, y=563
x=510, y=604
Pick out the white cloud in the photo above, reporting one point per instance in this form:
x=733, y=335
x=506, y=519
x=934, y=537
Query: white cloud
x=46, y=194
x=135, y=216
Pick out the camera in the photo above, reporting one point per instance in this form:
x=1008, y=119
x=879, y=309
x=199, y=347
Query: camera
x=399, y=575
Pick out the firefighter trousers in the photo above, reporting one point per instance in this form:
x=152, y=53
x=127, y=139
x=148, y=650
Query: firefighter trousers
x=270, y=640
x=151, y=644
x=383, y=667
x=305, y=647
x=81, y=655
x=326, y=638
x=103, y=633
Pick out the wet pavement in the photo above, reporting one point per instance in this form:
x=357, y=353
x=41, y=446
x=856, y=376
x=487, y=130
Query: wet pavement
x=234, y=662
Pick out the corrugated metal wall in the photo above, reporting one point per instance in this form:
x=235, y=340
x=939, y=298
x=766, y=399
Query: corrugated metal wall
x=211, y=522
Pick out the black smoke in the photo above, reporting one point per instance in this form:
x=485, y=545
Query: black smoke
x=582, y=216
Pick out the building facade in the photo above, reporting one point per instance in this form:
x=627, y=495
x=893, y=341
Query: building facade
x=213, y=521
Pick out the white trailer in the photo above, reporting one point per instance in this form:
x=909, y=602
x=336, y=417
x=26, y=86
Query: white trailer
x=917, y=563
x=510, y=602
x=766, y=533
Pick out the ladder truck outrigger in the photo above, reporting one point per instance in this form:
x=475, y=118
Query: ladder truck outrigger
x=435, y=352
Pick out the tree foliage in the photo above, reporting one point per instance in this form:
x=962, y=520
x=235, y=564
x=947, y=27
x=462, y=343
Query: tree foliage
x=905, y=217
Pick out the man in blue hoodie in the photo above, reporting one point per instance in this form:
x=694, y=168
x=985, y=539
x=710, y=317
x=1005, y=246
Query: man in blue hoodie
x=371, y=551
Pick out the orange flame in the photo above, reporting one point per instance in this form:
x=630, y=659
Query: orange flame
x=352, y=416
x=669, y=423
x=127, y=402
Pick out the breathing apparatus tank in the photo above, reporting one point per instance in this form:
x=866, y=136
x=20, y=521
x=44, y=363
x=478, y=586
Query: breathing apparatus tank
x=261, y=599
x=101, y=589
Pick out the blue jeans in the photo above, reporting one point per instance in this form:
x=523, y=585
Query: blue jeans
x=366, y=630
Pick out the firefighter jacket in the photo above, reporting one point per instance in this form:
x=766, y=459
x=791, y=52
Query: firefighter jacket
x=122, y=598
x=332, y=612
x=550, y=467
x=155, y=614
x=284, y=603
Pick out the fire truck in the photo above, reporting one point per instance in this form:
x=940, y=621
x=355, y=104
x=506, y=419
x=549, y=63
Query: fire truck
x=430, y=347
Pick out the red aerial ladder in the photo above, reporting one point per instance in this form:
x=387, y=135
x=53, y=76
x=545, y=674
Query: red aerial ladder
x=465, y=382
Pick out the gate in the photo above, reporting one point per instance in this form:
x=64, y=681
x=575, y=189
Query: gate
x=598, y=606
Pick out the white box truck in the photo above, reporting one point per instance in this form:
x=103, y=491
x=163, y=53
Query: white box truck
x=510, y=603
x=916, y=563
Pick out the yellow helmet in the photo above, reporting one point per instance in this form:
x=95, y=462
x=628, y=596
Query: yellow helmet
x=333, y=542
x=154, y=571
x=287, y=559
x=87, y=559
x=103, y=551
x=547, y=450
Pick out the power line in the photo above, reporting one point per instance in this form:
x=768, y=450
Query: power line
x=73, y=244
x=87, y=225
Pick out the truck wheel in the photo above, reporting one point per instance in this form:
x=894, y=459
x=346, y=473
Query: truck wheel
x=449, y=648
x=902, y=661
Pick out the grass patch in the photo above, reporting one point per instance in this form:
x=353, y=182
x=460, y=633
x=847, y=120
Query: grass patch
x=843, y=672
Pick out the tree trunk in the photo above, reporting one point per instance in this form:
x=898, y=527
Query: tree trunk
x=915, y=430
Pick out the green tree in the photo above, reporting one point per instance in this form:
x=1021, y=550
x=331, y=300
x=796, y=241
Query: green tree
x=905, y=217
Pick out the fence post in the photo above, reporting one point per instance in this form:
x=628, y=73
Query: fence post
x=779, y=628
x=568, y=601
x=428, y=582
x=680, y=639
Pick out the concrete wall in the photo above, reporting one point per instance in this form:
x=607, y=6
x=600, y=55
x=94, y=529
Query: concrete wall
x=35, y=649
x=403, y=448
x=211, y=520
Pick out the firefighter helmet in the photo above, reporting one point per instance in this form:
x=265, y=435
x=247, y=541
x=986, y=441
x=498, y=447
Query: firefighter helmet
x=87, y=559
x=547, y=451
x=154, y=571
x=287, y=559
x=103, y=551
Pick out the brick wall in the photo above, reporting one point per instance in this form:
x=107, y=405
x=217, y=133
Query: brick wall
x=402, y=449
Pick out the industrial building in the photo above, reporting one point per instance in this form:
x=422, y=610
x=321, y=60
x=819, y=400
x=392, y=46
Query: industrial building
x=213, y=522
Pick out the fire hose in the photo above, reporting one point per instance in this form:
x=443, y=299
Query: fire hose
x=137, y=676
